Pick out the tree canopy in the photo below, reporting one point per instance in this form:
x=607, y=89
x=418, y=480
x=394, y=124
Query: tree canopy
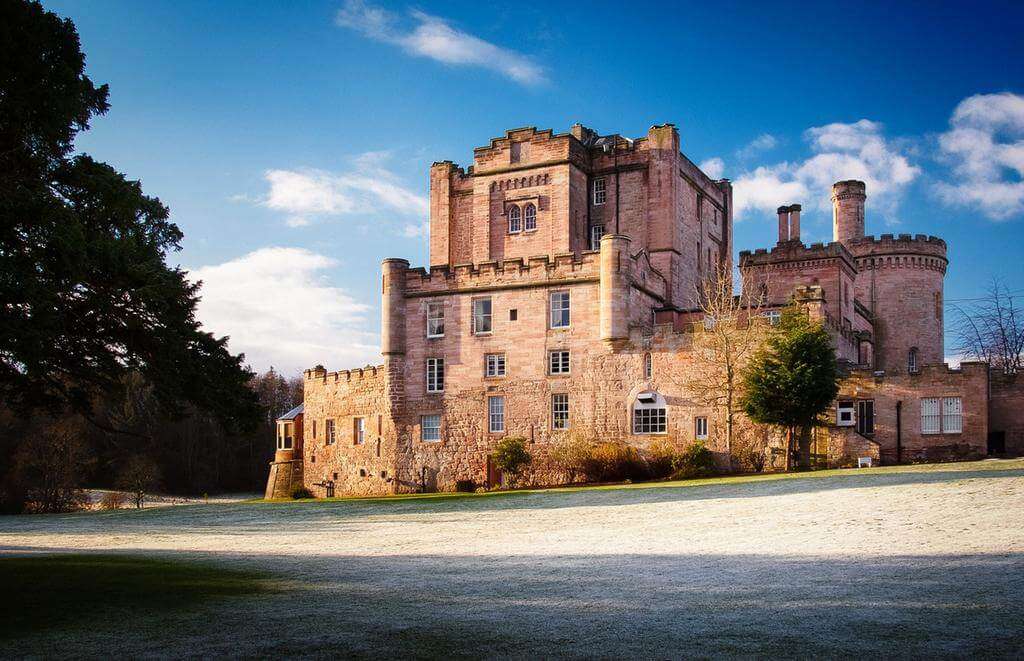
x=794, y=377
x=85, y=288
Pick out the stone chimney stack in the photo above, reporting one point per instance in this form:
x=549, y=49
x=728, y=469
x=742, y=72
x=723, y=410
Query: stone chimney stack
x=794, y=222
x=783, y=224
x=848, y=210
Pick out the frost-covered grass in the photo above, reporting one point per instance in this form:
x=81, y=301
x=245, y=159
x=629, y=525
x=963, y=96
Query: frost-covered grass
x=911, y=561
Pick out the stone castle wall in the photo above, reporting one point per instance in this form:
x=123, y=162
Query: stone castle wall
x=1007, y=410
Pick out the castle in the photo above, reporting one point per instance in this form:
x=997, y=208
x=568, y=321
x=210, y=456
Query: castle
x=560, y=298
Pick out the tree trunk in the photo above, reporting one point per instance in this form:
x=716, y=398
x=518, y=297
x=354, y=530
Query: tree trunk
x=789, y=449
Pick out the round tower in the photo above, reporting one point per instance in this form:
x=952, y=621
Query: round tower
x=848, y=210
x=900, y=280
x=614, y=288
x=392, y=326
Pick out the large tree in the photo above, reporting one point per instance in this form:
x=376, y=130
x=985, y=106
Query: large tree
x=792, y=379
x=86, y=293
x=991, y=328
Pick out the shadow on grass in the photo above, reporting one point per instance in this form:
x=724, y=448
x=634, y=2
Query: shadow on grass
x=86, y=590
x=610, y=606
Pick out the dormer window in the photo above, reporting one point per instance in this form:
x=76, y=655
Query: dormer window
x=530, y=217
x=515, y=221
x=600, y=190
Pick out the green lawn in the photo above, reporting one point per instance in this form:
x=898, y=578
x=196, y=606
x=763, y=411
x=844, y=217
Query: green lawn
x=68, y=591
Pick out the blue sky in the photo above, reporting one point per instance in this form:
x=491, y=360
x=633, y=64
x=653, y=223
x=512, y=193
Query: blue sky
x=292, y=140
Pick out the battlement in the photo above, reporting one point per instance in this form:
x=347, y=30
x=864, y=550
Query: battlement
x=562, y=268
x=919, y=250
x=319, y=373
x=795, y=253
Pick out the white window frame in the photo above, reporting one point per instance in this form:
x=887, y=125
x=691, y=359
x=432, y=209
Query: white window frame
x=330, y=431
x=648, y=367
x=285, y=441
x=596, y=232
x=650, y=417
x=560, y=365
x=845, y=413
x=359, y=430
x=435, y=374
x=931, y=415
x=496, y=414
x=560, y=411
x=862, y=406
x=912, y=360
x=494, y=365
x=600, y=191
x=700, y=428
x=559, y=302
x=515, y=220
x=774, y=317
x=529, y=217
x=429, y=431
x=476, y=318
x=435, y=319
x=952, y=415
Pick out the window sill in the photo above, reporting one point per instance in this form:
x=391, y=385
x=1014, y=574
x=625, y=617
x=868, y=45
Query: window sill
x=650, y=433
x=560, y=374
x=484, y=334
x=434, y=337
x=495, y=377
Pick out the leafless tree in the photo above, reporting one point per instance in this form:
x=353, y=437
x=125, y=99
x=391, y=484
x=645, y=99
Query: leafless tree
x=140, y=476
x=992, y=329
x=732, y=330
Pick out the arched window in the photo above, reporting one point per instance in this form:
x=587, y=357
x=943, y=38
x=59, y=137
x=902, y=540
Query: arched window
x=650, y=414
x=529, y=217
x=912, y=360
x=648, y=367
x=514, y=220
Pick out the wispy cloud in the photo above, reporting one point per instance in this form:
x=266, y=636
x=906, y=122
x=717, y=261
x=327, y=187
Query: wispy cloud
x=713, y=167
x=277, y=307
x=985, y=148
x=308, y=193
x=857, y=150
x=760, y=144
x=435, y=38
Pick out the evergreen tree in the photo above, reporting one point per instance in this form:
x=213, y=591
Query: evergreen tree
x=792, y=379
x=85, y=289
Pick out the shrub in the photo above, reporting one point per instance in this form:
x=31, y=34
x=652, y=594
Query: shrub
x=570, y=456
x=112, y=500
x=695, y=461
x=301, y=493
x=661, y=456
x=50, y=466
x=465, y=486
x=511, y=456
x=614, y=462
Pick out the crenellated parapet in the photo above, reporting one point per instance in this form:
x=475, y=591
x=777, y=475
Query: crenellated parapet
x=358, y=374
x=795, y=255
x=900, y=251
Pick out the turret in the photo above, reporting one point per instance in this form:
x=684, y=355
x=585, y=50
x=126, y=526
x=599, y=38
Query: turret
x=848, y=210
x=614, y=288
x=393, y=306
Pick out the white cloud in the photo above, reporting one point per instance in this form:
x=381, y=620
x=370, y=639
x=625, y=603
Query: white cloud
x=305, y=194
x=278, y=308
x=985, y=146
x=761, y=143
x=713, y=167
x=839, y=151
x=435, y=38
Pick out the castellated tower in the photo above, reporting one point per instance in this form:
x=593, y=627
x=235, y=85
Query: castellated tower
x=899, y=280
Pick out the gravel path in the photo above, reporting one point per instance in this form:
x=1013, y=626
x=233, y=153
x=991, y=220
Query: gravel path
x=920, y=562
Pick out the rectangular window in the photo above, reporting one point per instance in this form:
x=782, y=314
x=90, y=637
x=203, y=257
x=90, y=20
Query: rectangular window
x=773, y=317
x=560, y=309
x=600, y=190
x=866, y=417
x=650, y=420
x=359, y=430
x=435, y=374
x=494, y=364
x=329, y=432
x=930, y=417
x=430, y=428
x=560, y=411
x=481, y=316
x=844, y=413
x=558, y=362
x=496, y=414
x=952, y=415
x=314, y=429
x=700, y=428
x=596, y=232
x=435, y=320
x=513, y=314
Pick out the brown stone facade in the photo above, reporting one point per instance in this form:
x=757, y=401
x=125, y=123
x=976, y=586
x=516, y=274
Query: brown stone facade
x=560, y=300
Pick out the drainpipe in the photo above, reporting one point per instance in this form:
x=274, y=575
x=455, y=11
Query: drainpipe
x=899, y=431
